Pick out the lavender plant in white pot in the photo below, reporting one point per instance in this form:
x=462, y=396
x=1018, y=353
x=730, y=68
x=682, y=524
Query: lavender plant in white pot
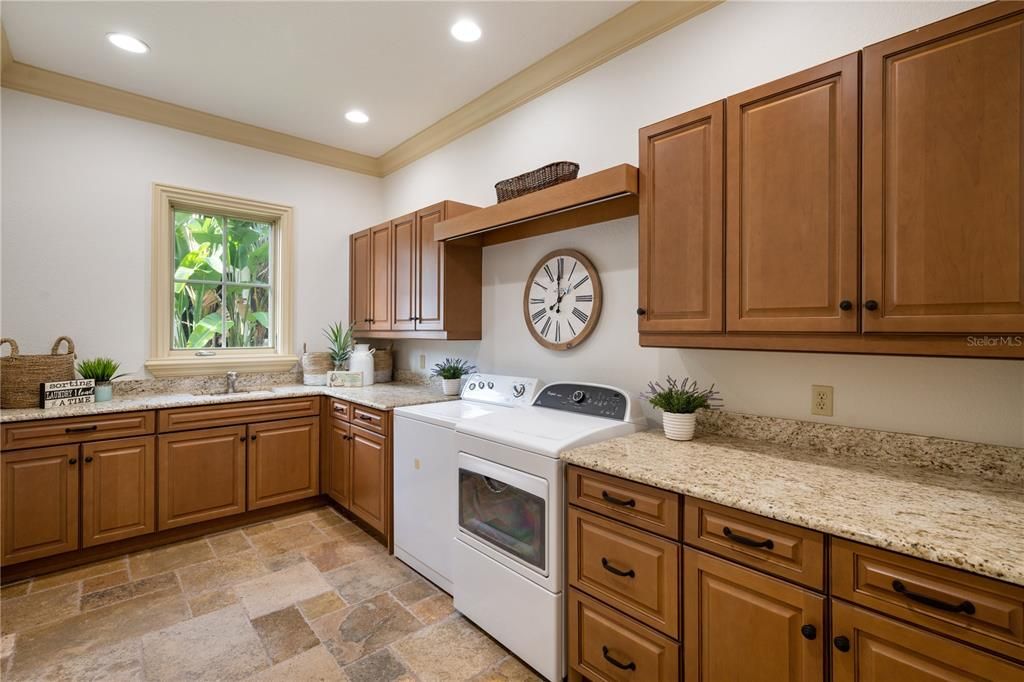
x=451, y=372
x=679, y=401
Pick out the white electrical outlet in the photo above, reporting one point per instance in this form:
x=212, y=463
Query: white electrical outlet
x=423, y=361
x=821, y=400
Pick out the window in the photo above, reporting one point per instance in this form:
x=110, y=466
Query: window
x=220, y=284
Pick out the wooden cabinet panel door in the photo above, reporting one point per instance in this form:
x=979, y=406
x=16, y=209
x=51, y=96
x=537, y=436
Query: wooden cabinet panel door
x=369, y=500
x=118, y=489
x=403, y=313
x=867, y=647
x=339, y=482
x=682, y=222
x=200, y=476
x=283, y=461
x=359, y=282
x=792, y=191
x=943, y=176
x=430, y=270
x=40, y=502
x=381, y=245
x=742, y=625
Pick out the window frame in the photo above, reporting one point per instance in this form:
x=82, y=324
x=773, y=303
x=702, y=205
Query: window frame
x=165, y=361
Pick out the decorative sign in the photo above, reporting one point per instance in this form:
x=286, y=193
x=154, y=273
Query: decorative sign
x=63, y=393
x=340, y=379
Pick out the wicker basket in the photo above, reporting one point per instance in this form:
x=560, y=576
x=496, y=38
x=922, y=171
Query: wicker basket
x=546, y=176
x=383, y=364
x=20, y=375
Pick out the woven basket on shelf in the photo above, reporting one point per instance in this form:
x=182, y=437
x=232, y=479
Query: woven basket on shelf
x=546, y=176
x=20, y=375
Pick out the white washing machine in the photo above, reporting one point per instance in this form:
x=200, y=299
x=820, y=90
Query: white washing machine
x=509, y=551
x=426, y=469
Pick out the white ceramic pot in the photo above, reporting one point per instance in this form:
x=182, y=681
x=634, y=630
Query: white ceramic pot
x=679, y=426
x=361, y=360
x=451, y=386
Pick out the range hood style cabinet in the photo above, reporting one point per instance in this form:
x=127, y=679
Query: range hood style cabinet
x=405, y=283
x=783, y=218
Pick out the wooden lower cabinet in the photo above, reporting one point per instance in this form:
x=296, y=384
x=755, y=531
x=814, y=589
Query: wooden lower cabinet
x=201, y=475
x=867, y=647
x=339, y=468
x=369, y=497
x=283, y=461
x=739, y=624
x=118, y=489
x=40, y=502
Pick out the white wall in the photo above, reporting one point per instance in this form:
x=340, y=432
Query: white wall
x=77, y=195
x=594, y=120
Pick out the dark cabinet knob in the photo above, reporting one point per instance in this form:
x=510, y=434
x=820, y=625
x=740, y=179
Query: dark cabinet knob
x=641, y=311
x=242, y=439
x=72, y=461
x=842, y=643
x=252, y=437
x=88, y=459
x=809, y=631
x=871, y=304
x=846, y=305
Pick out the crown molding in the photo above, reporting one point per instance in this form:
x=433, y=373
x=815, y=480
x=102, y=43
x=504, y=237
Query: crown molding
x=627, y=29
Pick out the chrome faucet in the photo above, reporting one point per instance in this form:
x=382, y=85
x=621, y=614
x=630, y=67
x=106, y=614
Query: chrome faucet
x=232, y=380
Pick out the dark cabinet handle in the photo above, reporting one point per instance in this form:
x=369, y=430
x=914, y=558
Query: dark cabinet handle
x=81, y=429
x=365, y=417
x=871, y=304
x=809, y=631
x=88, y=459
x=846, y=305
x=963, y=607
x=616, y=500
x=618, y=664
x=72, y=461
x=611, y=569
x=242, y=439
x=641, y=311
x=749, y=542
x=252, y=437
x=842, y=643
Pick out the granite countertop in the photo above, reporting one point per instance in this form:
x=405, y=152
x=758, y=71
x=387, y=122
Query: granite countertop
x=956, y=519
x=380, y=396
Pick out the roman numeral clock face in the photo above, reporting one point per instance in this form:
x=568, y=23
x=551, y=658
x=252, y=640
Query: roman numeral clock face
x=562, y=301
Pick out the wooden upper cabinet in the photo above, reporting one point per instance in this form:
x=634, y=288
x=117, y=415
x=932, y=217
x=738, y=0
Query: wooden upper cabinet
x=200, y=475
x=118, y=489
x=430, y=255
x=283, y=461
x=381, y=245
x=40, y=502
x=359, y=279
x=404, y=235
x=681, y=222
x=792, y=191
x=943, y=176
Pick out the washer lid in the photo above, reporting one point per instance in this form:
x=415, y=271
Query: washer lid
x=545, y=431
x=449, y=413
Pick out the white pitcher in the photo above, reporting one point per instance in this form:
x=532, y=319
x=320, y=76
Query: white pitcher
x=361, y=360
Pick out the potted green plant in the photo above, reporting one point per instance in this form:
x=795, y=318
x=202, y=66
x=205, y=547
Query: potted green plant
x=102, y=371
x=340, y=340
x=451, y=372
x=680, y=400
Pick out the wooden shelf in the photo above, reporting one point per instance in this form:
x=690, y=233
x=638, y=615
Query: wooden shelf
x=595, y=198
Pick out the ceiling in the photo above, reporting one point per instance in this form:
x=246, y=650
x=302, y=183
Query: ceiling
x=297, y=67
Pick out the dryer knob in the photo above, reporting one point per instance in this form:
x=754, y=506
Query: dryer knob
x=578, y=396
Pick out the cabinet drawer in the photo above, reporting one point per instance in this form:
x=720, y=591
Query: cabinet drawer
x=983, y=611
x=788, y=551
x=340, y=409
x=370, y=419
x=633, y=571
x=44, y=432
x=634, y=503
x=207, y=416
x=607, y=646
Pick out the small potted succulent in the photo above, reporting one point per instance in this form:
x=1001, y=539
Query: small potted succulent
x=102, y=371
x=451, y=372
x=340, y=340
x=680, y=400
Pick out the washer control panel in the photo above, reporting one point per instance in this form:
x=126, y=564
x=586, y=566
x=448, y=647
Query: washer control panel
x=592, y=399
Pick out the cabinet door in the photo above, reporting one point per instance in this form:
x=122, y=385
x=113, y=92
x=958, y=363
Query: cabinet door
x=867, y=647
x=118, y=490
x=943, y=176
x=369, y=500
x=381, y=244
x=339, y=482
x=403, y=312
x=682, y=222
x=200, y=475
x=792, y=187
x=430, y=270
x=741, y=625
x=40, y=502
x=359, y=279
x=283, y=461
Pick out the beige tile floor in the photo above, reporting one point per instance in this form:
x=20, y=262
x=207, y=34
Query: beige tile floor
x=306, y=597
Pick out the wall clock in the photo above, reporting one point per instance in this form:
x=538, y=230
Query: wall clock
x=562, y=300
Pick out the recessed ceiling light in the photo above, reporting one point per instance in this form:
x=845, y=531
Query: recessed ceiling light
x=466, y=31
x=357, y=116
x=128, y=43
